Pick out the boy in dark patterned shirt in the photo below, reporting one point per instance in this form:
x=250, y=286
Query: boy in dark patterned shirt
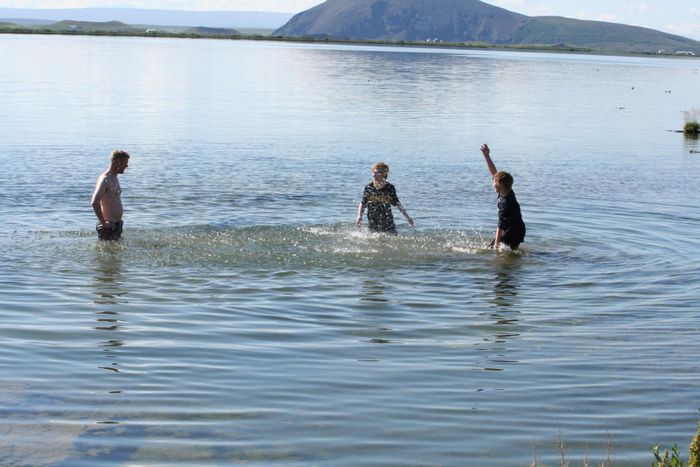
x=378, y=197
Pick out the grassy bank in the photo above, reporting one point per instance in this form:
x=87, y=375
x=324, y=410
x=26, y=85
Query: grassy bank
x=559, y=48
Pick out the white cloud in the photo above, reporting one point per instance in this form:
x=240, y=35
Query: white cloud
x=637, y=8
x=289, y=6
x=541, y=9
x=526, y=7
x=582, y=14
x=609, y=17
x=509, y=4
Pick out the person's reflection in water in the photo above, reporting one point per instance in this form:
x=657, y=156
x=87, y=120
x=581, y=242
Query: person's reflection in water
x=375, y=298
x=374, y=291
x=691, y=142
x=109, y=296
x=503, y=312
x=505, y=290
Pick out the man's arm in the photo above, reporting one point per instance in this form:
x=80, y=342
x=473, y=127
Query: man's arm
x=100, y=189
x=487, y=157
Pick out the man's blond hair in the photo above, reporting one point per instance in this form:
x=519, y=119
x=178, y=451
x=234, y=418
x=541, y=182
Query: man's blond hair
x=119, y=154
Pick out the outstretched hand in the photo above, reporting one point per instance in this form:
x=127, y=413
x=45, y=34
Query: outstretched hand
x=485, y=150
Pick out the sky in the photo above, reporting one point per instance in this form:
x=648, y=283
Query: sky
x=675, y=16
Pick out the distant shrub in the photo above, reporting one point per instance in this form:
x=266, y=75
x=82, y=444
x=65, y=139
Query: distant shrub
x=691, y=127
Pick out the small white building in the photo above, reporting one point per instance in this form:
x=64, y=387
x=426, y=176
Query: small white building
x=686, y=53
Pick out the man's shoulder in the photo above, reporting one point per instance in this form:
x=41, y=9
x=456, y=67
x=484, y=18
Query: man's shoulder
x=107, y=180
x=104, y=176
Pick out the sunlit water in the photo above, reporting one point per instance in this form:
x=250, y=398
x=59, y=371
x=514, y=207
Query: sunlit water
x=243, y=318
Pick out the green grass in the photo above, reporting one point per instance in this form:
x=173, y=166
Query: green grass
x=673, y=458
x=665, y=458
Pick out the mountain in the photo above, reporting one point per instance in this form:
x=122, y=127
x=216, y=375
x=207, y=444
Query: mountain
x=212, y=19
x=600, y=35
x=117, y=27
x=470, y=21
x=410, y=20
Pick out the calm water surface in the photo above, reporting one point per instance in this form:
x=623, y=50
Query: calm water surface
x=243, y=318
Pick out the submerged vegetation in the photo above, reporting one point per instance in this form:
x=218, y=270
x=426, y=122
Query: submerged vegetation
x=563, y=462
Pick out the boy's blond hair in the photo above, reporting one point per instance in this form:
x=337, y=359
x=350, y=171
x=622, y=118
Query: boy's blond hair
x=504, y=179
x=381, y=167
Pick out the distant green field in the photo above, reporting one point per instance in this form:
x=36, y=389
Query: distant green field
x=256, y=31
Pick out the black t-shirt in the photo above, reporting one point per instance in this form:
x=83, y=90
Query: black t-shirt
x=379, y=203
x=509, y=212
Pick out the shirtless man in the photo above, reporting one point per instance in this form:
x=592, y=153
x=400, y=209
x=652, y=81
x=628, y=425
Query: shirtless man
x=107, y=201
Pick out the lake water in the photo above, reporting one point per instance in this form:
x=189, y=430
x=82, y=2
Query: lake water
x=244, y=319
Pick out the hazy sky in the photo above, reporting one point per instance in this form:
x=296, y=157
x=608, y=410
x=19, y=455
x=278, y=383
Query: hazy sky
x=674, y=16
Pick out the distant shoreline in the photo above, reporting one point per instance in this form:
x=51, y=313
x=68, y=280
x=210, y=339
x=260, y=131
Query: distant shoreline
x=313, y=40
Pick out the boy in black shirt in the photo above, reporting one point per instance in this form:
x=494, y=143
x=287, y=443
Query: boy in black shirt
x=378, y=197
x=511, y=228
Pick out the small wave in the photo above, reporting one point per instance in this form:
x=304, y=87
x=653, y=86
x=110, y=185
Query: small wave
x=292, y=247
x=306, y=246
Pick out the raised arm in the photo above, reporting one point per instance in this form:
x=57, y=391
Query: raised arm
x=487, y=157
